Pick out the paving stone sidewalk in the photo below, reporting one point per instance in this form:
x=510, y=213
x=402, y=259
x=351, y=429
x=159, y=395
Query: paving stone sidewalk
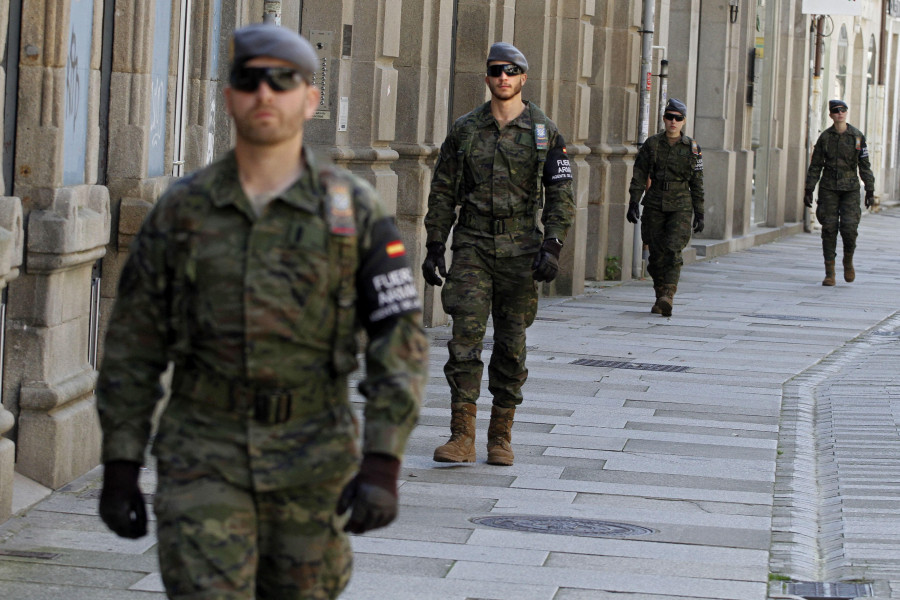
x=692, y=457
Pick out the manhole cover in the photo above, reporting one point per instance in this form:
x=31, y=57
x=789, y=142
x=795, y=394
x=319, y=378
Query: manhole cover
x=785, y=317
x=619, y=364
x=829, y=591
x=563, y=526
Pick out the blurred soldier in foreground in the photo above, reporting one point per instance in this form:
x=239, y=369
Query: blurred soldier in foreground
x=252, y=277
x=673, y=202
x=840, y=158
x=495, y=165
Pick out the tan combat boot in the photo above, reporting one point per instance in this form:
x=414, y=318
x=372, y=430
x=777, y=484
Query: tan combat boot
x=849, y=271
x=499, y=435
x=461, y=445
x=667, y=300
x=656, y=310
x=829, y=273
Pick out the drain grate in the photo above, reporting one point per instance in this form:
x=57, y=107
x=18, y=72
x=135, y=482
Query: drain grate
x=563, y=526
x=619, y=364
x=785, y=317
x=29, y=554
x=829, y=591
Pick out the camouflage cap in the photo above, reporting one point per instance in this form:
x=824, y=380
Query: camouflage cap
x=676, y=105
x=262, y=39
x=832, y=104
x=507, y=53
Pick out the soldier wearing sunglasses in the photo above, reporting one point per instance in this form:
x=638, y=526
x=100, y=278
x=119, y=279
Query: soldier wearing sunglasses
x=252, y=278
x=839, y=159
x=668, y=172
x=501, y=164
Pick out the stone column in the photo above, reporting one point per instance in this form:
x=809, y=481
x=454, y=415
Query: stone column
x=612, y=135
x=561, y=36
x=48, y=380
x=710, y=117
x=423, y=69
x=11, y=242
x=744, y=49
x=795, y=31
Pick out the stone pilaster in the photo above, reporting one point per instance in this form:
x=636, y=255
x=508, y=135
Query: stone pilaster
x=11, y=243
x=48, y=330
x=48, y=381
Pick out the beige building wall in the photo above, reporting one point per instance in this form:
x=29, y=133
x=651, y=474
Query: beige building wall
x=394, y=75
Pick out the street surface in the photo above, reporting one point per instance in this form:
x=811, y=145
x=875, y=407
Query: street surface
x=745, y=448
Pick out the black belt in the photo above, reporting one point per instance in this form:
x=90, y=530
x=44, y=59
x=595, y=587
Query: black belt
x=665, y=186
x=492, y=225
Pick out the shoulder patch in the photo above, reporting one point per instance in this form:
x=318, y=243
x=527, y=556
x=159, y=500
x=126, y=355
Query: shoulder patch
x=385, y=280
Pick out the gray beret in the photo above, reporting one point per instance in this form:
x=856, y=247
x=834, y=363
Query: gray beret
x=261, y=39
x=507, y=53
x=834, y=103
x=676, y=105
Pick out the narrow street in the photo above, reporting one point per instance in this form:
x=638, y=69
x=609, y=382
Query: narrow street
x=745, y=448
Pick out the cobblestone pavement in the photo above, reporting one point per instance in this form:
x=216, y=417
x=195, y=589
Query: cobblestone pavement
x=749, y=439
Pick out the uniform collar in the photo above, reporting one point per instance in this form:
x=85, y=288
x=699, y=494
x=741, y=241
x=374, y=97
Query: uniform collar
x=303, y=194
x=484, y=117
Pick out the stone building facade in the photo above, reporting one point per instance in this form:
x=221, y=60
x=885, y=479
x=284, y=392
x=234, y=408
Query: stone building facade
x=105, y=101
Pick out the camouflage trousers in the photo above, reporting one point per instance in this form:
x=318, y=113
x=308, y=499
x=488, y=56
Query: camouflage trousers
x=479, y=285
x=666, y=234
x=838, y=211
x=221, y=542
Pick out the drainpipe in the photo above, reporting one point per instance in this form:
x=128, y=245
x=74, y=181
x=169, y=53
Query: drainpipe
x=272, y=12
x=644, y=125
x=815, y=105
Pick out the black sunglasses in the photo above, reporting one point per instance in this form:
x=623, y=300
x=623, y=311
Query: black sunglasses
x=280, y=79
x=839, y=109
x=673, y=117
x=510, y=69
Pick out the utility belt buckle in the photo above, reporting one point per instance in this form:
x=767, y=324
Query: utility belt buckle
x=272, y=408
x=665, y=186
x=498, y=226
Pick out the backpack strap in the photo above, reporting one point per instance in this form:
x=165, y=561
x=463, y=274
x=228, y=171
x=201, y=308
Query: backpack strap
x=343, y=252
x=541, y=143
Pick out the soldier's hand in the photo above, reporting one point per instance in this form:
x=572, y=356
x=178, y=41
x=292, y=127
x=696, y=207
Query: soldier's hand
x=546, y=263
x=698, y=222
x=870, y=198
x=371, y=496
x=807, y=198
x=121, y=502
x=634, y=212
x=434, y=259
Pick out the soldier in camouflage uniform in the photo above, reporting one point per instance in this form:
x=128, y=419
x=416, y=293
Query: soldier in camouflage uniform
x=253, y=277
x=842, y=154
x=494, y=166
x=668, y=171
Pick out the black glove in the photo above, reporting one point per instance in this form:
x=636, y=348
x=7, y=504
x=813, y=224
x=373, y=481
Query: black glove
x=807, y=198
x=634, y=211
x=434, y=259
x=546, y=263
x=372, y=494
x=698, y=222
x=870, y=198
x=121, y=502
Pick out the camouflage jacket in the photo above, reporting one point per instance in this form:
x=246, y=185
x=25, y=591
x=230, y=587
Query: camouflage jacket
x=675, y=173
x=236, y=300
x=840, y=159
x=499, y=177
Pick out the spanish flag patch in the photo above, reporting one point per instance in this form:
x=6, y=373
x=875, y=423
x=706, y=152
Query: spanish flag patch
x=395, y=249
